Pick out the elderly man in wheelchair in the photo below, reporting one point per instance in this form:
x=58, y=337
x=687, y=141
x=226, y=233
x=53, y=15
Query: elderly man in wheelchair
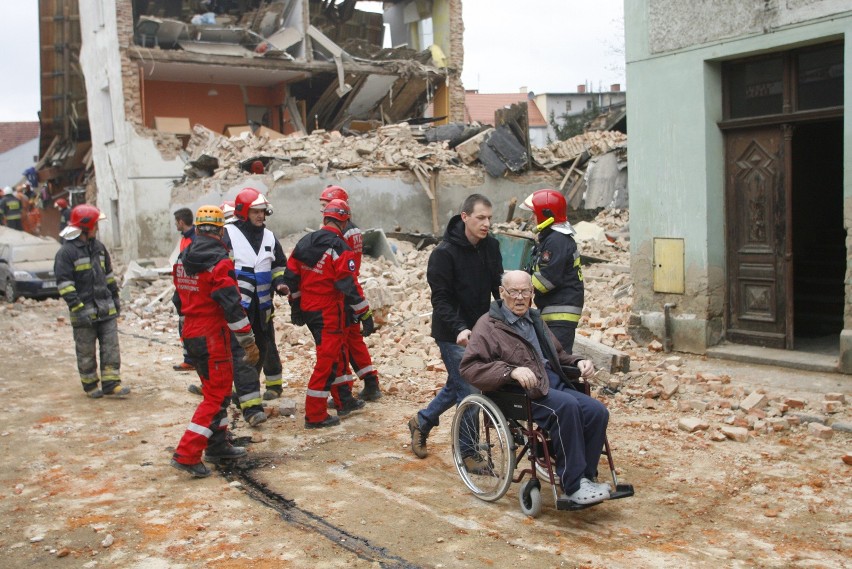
x=512, y=347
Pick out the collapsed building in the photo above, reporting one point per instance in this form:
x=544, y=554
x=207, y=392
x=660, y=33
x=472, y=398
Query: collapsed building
x=175, y=109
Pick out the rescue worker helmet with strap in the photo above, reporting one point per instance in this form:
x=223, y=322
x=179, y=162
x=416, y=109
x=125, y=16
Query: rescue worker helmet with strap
x=227, y=209
x=86, y=217
x=546, y=204
x=247, y=199
x=334, y=193
x=337, y=209
x=61, y=203
x=209, y=215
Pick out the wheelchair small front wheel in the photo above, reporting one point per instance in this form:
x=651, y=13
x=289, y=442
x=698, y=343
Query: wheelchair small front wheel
x=529, y=496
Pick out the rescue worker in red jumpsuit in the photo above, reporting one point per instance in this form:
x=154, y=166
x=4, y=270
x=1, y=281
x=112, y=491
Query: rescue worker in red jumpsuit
x=259, y=262
x=321, y=275
x=358, y=356
x=207, y=297
x=184, y=224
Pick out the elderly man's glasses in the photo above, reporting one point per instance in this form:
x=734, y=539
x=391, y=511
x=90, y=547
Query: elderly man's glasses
x=518, y=293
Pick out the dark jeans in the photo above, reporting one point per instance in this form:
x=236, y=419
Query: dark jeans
x=577, y=426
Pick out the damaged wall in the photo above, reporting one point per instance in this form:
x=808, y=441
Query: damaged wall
x=677, y=162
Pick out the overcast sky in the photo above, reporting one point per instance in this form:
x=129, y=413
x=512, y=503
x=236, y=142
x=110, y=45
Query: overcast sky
x=543, y=45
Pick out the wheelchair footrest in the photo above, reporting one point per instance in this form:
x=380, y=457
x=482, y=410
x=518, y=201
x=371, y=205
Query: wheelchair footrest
x=621, y=491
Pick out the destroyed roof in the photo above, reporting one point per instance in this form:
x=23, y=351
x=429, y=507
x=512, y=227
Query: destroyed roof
x=480, y=107
x=14, y=134
x=595, y=143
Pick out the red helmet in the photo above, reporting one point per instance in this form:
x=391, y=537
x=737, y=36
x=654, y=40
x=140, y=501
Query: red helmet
x=61, y=203
x=250, y=198
x=336, y=209
x=334, y=193
x=546, y=204
x=85, y=217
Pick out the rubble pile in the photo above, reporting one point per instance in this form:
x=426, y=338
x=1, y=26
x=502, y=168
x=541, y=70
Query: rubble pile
x=387, y=148
x=595, y=143
x=711, y=406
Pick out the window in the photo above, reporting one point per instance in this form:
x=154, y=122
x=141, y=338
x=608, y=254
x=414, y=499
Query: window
x=106, y=108
x=568, y=105
x=589, y=104
x=424, y=32
x=800, y=80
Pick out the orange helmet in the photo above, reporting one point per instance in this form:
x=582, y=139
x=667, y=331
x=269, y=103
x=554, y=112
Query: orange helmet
x=249, y=198
x=209, y=215
x=85, y=217
x=546, y=204
x=336, y=209
x=334, y=193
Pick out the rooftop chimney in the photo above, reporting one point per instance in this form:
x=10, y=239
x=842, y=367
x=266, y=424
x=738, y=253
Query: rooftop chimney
x=523, y=89
x=615, y=87
x=581, y=88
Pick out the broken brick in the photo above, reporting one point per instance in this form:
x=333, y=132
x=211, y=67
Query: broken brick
x=692, y=424
x=820, y=430
x=753, y=401
x=739, y=434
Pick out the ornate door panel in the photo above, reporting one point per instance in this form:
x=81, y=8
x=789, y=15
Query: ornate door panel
x=755, y=219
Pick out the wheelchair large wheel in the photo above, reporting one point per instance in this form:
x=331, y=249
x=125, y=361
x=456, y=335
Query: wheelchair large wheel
x=481, y=435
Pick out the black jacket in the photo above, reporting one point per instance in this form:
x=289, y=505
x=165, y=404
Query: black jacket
x=85, y=279
x=462, y=278
x=557, y=278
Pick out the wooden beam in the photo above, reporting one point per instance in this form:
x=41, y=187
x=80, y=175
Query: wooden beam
x=603, y=356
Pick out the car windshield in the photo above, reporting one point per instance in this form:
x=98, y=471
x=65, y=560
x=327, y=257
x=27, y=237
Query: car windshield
x=37, y=252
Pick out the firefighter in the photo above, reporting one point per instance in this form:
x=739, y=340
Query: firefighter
x=11, y=209
x=207, y=298
x=358, y=356
x=321, y=276
x=64, y=212
x=85, y=280
x=259, y=261
x=556, y=272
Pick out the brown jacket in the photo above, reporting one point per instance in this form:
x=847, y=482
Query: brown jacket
x=495, y=349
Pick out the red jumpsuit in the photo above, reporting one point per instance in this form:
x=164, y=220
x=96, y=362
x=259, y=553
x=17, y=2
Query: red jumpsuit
x=358, y=356
x=321, y=276
x=207, y=297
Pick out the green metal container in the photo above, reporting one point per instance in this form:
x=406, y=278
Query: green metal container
x=516, y=251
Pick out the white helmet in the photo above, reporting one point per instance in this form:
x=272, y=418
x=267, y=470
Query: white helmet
x=7, y=191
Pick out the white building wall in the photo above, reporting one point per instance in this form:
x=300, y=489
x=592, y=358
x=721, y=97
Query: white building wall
x=15, y=160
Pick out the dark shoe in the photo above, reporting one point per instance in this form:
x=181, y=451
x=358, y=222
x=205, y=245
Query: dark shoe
x=183, y=366
x=350, y=406
x=224, y=454
x=198, y=470
x=95, y=394
x=371, y=391
x=256, y=418
x=271, y=394
x=329, y=421
x=195, y=389
x=118, y=391
x=418, y=438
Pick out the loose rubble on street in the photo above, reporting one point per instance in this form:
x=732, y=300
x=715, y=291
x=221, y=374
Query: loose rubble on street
x=733, y=465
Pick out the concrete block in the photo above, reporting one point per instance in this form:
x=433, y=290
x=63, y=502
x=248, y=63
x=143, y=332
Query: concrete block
x=287, y=407
x=738, y=434
x=754, y=400
x=820, y=431
x=669, y=386
x=835, y=397
x=692, y=424
x=843, y=426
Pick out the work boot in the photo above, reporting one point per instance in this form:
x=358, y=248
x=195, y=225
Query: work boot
x=183, y=366
x=371, y=391
x=223, y=454
x=95, y=393
x=195, y=389
x=475, y=464
x=418, y=438
x=329, y=421
x=256, y=419
x=198, y=470
x=272, y=393
x=350, y=406
x=118, y=391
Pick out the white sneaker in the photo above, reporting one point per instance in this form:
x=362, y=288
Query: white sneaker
x=588, y=493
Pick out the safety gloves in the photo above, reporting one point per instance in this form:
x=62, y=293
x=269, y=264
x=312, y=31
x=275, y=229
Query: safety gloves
x=367, y=324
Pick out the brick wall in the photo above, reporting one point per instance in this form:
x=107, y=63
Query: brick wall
x=129, y=70
x=456, y=61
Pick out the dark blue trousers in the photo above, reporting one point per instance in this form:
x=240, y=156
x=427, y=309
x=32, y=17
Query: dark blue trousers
x=577, y=425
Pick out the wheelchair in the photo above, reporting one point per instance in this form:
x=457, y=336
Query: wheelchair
x=498, y=427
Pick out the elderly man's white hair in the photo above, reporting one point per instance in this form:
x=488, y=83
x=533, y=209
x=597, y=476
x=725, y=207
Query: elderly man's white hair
x=516, y=275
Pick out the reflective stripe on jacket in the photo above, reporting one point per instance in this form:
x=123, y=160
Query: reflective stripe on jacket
x=84, y=278
x=557, y=277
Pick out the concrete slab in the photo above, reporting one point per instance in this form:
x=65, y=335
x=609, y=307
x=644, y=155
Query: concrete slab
x=768, y=356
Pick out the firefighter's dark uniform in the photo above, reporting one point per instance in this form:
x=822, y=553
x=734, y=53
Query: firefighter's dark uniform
x=207, y=298
x=86, y=283
x=558, y=281
x=11, y=209
x=321, y=276
x=259, y=261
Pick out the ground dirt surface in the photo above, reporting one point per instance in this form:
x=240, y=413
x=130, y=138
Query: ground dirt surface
x=87, y=483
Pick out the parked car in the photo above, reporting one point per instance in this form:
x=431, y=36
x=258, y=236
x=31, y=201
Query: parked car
x=26, y=266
